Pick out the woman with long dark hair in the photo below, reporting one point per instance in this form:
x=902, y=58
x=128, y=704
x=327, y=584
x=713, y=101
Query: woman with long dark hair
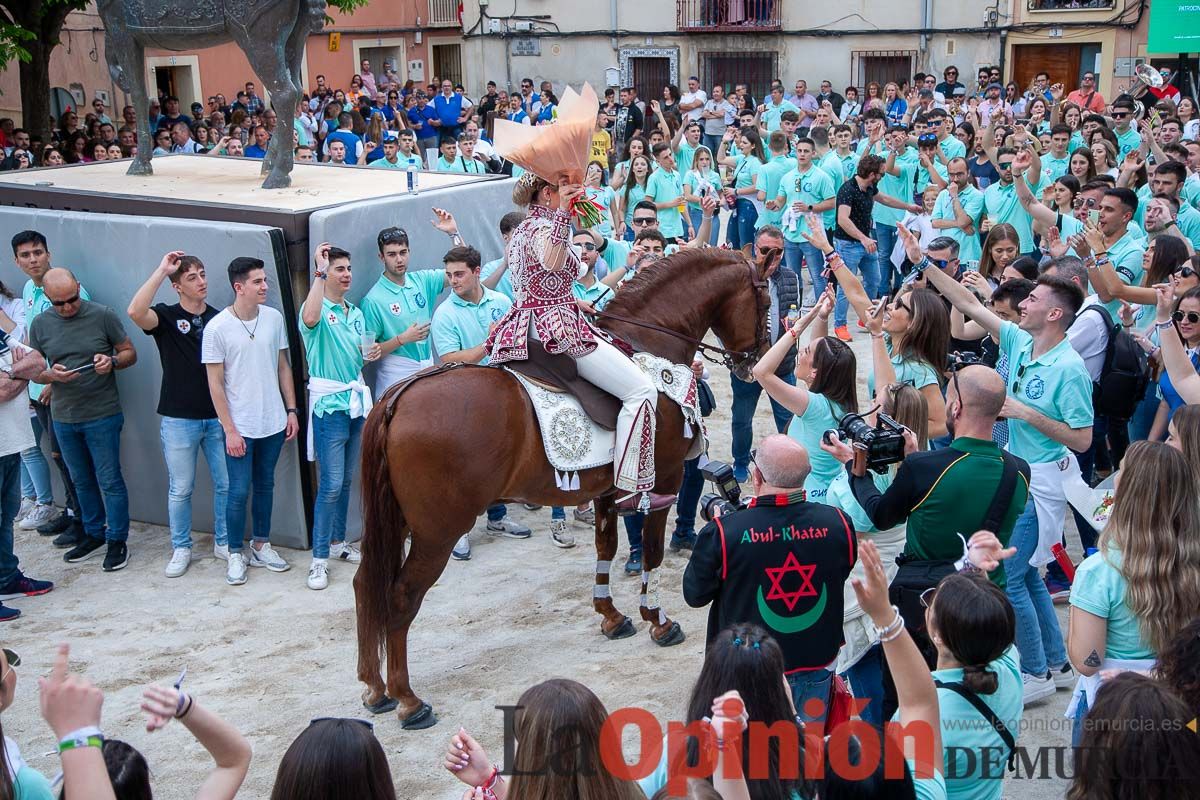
x=916, y=328
x=742, y=193
x=1001, y=248
x=334, y=758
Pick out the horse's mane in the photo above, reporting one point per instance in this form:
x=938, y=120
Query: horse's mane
x=671, y=278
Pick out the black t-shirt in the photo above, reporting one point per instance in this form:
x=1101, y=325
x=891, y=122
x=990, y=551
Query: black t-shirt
x=184, y=392
x=781, y=564
x=985, y=173
x=861, y=203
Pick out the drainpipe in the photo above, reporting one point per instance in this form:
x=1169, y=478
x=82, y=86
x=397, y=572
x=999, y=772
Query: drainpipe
x=612, y=21
x=926, y=24
x=1003, y=49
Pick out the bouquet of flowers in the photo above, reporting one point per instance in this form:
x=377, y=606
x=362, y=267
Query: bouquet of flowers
x=558, y=152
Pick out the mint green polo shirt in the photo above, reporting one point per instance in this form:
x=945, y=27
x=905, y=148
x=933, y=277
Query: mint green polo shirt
x=36, y=302
x=389, y=309
x=504, y=286
x=383, y=163
x=1126, y=257
x=915, y=373
x=460, y=325
x=693, y=179
x=1099, y=588
x=591, y=293
x=661, y=187
x=771, y=115
x=923, y=179
x=332, y=350
x=849, y=165
x=604, y=196
x=450, y=166
x=831, y=165
x=1001, y=204
x=616, y=252
x=952, y=148
x=1054, y=168
x=767, y=182
x=807, y=429
x=810, y=187
x=685, y=154
x=745, y=173
x=636, y=195
x=1056, y=385
x=900, y=187
x=1190, y=193
x=1128, y=141
x=1076, y=141
x=1189, y=224
x=970, y=250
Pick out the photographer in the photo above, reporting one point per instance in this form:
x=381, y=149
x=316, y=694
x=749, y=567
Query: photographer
x=782, y=563
x=967, y=486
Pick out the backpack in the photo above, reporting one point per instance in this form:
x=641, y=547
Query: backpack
x=1125, y=375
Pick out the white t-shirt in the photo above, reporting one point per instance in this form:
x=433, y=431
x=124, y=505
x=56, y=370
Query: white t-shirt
x=691, y=97
x=1089, y=337
x=251, y=368
x=16, y=434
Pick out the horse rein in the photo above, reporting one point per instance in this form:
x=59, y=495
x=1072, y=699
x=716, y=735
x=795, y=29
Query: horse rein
x=731, y=359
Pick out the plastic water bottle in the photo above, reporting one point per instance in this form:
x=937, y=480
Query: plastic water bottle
x=412, y=179
x=793, y=316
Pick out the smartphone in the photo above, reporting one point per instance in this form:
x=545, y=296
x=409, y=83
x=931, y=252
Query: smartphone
x=85, y=368
x=1094, y=216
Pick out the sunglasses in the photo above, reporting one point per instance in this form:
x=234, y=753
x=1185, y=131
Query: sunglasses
x=1005, y=165
x=927, y=596
x=941, y=263
x=587, y=246
x=1187, y=272
x=902, y=305
x=398, y=235
x=67, y=302
x=1020, y=375
x=1120, y=114
x=1191, y=317
x=644, y=220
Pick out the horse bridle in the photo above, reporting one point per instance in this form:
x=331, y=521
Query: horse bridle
x=731, y=359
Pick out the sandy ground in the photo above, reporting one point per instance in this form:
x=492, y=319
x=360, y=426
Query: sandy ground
x=271, y=655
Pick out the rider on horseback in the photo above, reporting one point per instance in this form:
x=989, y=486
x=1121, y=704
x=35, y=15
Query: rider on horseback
x=543, y=266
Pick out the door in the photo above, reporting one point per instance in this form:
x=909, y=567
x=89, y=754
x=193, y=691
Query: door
x=756, y=70
x=382, y=58
x=650, y=75
x=165, y=81
x=882, y=66
x=447, y=62
x=1062, y=61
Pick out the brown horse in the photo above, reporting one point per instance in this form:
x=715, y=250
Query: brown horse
x=474, y=433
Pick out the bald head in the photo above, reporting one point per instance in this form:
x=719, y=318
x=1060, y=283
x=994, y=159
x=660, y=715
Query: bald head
x=982, y=392
x=59, y=279
x=782, y=461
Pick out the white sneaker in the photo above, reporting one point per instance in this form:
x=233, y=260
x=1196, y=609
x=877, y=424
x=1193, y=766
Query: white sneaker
x=1037, y=687
x=559, y=534
x=40, y=514
x=1064, y=677
x=587, y=516
x=27, y=504
x=341, y=551
x=235, y=575
x=318, y=574
x=267, y=557
x=181, y=559
x=221, y=551
x=462, y=549
x=508, y=528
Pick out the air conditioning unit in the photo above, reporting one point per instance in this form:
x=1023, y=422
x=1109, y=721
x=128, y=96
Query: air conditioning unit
x=523, y=25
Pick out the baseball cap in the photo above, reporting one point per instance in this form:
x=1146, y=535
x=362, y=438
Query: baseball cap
x=995, y=85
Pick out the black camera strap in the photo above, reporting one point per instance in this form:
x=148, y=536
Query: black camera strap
x=987, y=713
x=1004, y=494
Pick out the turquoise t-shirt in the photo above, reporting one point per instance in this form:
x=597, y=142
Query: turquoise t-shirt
x=604, y=196
x=36, y=302
x=767, y=182
x=636, y=195
x=1099, y=588
x=1076, y=141
x=390, y=310
x=1128, y=141
x=694, y=180
x=746, y=171
x=332, y=350
x=969, y=247
x=597, y=294
x=1056, y=385
x=459, y=324
x=684, y=155
x=661, y=187
x=900, y=187
x=1126, y=257
x=966, y=734
x=1001, y=204
x=457, y=165
x=771, y=115
x=810, y=187
x=504, y=285
x=841, y=496
x=923, y=179
x=807, y=428
x=832, y=166
x=915, y=373
x=1054, y=168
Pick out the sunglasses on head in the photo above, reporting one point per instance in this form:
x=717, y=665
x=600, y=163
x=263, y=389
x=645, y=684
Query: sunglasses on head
x=1191, y=317
x=67, y=302
x=398, y=235
x=928, y=594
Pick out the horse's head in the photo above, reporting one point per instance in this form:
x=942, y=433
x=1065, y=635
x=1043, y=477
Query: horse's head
x=743, y=319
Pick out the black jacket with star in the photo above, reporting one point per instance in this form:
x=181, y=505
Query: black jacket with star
x=782, y=564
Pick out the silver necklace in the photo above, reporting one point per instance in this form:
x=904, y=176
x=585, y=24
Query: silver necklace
x=239, y=319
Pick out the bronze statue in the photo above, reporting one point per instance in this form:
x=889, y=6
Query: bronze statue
x=271, y=33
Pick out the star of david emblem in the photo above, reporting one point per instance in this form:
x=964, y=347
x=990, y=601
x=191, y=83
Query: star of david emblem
x=395, y=308
x=776, y=574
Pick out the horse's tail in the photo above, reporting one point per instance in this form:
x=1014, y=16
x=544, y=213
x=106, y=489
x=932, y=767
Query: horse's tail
x=385, y=531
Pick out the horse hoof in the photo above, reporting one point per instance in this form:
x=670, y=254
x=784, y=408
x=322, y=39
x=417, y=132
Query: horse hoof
x=277, y=182
x=673, y=636
x=622, y=631
x=420, y=719
x=382, y=706
x=138, y=168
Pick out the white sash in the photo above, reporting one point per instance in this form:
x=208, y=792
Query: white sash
x=360, y=400
x=393, y=368
x=1051, y=484
x=1087, y=685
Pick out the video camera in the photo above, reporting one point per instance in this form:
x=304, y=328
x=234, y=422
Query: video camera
x=728, y=496
x=875, y=447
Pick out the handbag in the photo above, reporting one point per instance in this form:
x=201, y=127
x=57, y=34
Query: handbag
x=705, y=397
x=841, y=704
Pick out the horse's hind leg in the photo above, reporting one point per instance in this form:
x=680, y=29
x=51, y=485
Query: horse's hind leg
x=126, y=56
x=273, y=67
x=663, y=630
x=424, y=564
x=615, y=625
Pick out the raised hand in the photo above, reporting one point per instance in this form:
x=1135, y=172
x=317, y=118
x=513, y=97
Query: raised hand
x=872, y=591
x=815, y=235
x=466, y=760
x=169, y=264
x=1164, y=295
x=1055, y=244
x=912, y=246
x=985, y=551
x=1022, y=161
x=68, y=702
x=444, y=221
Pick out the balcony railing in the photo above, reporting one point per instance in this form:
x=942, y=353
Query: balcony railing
x=733, y=16
x=443, y=13
x=1071, y=5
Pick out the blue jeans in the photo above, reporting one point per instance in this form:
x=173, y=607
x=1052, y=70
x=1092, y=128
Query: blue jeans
x=857, y=260
x=689, y=498
x=740, y=231
x=1081, y=710
x=92, y=451
x=1143, y=416
x=866, y=679
x=558, y=512
x=181, y=440
x=256, y=468
x=1039, y=639
x=336, y=440
x=35, y=469
x=812, y=685
x=633, y=531
x=696, y=215
x=711, y=142
x=497, y=512
x=745, y=402
x=813, y=258
x=888, y=276
x=10, y=504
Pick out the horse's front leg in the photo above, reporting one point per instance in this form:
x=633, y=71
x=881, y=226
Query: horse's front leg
x=615, y=625
x=664, y=631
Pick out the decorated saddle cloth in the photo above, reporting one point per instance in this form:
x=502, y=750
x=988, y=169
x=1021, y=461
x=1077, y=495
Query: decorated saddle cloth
x=573, y=441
